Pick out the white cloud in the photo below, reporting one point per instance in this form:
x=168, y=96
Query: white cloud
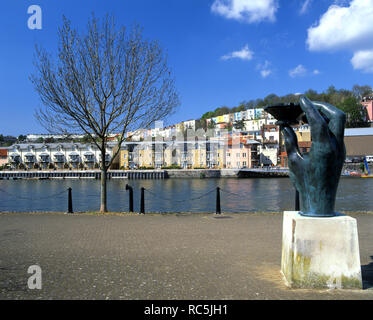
x=298, y=71
x=346, y=26
x=249, y=11
x=343, y=27
x=363, y=60
x=301, y=71
x=244, y=54
x=264, y=69
x=265, y=73
x=305, y=6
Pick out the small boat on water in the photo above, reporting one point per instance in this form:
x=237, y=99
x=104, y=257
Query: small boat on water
x=367, y=173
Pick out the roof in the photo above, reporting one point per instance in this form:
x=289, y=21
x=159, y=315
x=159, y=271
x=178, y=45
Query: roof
x=358, y=132
x=243, y=140
x=3, y=152
x=64, y=145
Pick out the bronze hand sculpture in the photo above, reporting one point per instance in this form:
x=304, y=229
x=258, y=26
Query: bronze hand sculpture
x=316, y=174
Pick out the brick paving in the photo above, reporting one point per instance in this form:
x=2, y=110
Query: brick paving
x=192, y=256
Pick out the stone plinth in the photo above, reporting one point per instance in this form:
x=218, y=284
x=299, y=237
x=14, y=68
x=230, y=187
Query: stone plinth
x=320, y=252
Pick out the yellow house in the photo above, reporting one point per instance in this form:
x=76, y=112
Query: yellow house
x=168, y=155
x=148, y=156
x=220, y=119
x=195, y=156
x=221, y=153
x=198, y=156
x=124, y=159
x=202, y=156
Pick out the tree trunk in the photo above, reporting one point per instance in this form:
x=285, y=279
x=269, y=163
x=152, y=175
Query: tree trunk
x=103, y=207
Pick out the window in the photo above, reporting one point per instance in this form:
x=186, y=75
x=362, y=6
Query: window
x=244, y=163
x=244, y=155
x=228, y=154
x=237, y=155
x=238, y=164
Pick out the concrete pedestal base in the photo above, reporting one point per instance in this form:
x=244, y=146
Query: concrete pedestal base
x=320, y=252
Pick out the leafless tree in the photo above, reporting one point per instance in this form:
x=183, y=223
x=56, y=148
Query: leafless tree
x=107, y=80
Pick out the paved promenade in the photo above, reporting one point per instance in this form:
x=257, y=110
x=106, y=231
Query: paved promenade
x=156, y=257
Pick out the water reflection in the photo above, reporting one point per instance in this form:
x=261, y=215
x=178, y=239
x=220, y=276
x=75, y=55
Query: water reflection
x=173, y=195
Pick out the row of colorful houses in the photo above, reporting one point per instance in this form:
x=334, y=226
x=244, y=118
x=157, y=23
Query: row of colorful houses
x=233, y=151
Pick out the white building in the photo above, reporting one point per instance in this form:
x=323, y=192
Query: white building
x=35, y=137
x=190, y=124
x=256, y=113
x=254, y=125
x=57, y=156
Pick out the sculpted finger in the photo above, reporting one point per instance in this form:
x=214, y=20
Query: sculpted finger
x=291, y=142
x=319, y=127
x=336, y=116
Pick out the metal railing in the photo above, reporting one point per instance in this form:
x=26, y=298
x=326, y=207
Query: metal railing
x=217, y=191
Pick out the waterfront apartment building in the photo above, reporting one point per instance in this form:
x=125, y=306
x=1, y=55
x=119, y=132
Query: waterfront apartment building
x=186, y=154
x=57, y=156
x=242, y=153
x=269, y=149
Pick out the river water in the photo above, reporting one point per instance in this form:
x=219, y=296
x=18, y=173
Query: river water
x=174, y=195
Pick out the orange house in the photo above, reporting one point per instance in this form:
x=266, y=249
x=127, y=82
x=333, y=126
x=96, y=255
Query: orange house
x=3, y=157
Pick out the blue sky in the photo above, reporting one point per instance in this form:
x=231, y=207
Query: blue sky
x=221, y=52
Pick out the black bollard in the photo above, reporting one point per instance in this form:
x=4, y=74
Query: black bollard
x=130, y=197
x=297, y=206
x=218, y=208
x=142, y=202
x=70, y=201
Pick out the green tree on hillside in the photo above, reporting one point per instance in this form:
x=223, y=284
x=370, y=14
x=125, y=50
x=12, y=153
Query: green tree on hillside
x=347, y=100
x=211, y=125
x=22, y=138
x=361, y=91
x=356, y=114
x=208, y=115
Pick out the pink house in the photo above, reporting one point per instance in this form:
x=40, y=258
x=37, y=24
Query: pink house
x=368, y=103
x=241, y=153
